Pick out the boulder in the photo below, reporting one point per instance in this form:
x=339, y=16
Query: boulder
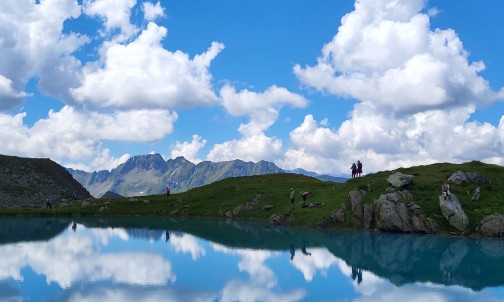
x=492, y=226
x=368, y=216
x=391, y=214
x=338, y=217
x=356, y=200
x=399, y=179
x=453, y=212
x=460, y=177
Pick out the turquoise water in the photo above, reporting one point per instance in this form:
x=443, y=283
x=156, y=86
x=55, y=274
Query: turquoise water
x=161, y=259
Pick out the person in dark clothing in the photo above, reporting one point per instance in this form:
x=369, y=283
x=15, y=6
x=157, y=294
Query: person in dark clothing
x=354, y=170
x=48, y=204
x=167, y=193
x=359, y=168
x=292, y=197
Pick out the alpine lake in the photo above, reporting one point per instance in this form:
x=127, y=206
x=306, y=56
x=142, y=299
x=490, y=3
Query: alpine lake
x=163, y=259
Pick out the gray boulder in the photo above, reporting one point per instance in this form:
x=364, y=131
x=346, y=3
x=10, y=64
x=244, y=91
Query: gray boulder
x=460, y=177
x=398, y=213
x=392, y=213
x=492, y=226
x=453, y=212
x=399, y=179
x=338, y=217
x=357, y=201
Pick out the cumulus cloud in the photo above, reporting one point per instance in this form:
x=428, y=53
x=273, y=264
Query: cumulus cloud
x=189, y=150
x=142, y=74
x=262, y=108
x=152, y=11
x=115, y=14
x=252, y=148
x=381, y=143
x=417, y=91
x=33, y=40
x=74, y=136
x=8, y=96
x=386, y=54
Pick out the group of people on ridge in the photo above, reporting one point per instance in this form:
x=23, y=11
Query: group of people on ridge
x=356, y=169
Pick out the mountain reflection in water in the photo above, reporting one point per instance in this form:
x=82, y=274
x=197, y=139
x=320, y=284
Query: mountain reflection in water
x=162, y=259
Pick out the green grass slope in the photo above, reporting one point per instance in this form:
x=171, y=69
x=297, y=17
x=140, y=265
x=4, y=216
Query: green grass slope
x=219, y=198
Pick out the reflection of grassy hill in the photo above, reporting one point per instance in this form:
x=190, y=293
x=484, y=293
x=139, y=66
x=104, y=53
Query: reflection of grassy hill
x=217, y=199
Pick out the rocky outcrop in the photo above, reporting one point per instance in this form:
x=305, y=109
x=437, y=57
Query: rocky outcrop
x=460, y=177
x=244, y=207
x=357, y=202
x=492, y=226
x=391, y=212
x=399, y=180
x=338, y=216
x=453, y=212
x=398, y=213
x=28, y=182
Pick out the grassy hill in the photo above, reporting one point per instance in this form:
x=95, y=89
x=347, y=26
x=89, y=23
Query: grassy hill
x=272, y=193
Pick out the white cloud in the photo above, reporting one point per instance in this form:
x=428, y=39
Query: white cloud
x=33, y=40
x=115, y=14
x=416, y=89
x=253, y=148
x=262, y=108
x=72, y=136
x=386, y=54
x=382, y=144
x=8, y=96
x=152, y=11
x=142, y=74
x=189, y=150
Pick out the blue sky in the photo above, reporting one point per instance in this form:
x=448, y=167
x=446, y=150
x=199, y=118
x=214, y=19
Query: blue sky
x=304, y=84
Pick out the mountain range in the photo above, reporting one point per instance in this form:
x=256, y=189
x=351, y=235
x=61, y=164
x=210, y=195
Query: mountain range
x=151, y=174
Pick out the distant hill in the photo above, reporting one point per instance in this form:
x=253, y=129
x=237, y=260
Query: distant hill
x=318, y=176
x=150, y=174
x=30, y=181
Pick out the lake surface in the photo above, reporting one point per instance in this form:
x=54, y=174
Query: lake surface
x=162, y=259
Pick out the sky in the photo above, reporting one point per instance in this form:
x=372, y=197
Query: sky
x=305, y=84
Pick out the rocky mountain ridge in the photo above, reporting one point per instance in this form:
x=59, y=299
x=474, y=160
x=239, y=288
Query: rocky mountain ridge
x=150, y=174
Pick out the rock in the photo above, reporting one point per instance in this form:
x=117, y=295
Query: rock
x=276, y=219
x=368, y=216
x=338, y=217
x=476, y=195
x=267, y=207
x=458, y=177
x=492, y=226
x=477, y=178
x=453, y=212
x=392, y=215
x=356, y=200
x=399, y=179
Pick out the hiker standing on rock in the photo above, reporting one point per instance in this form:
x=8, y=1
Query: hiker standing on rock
x=446, y=190
x=359, y=168
x=354, y=170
